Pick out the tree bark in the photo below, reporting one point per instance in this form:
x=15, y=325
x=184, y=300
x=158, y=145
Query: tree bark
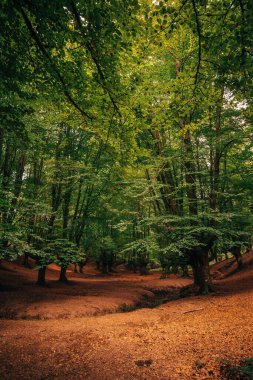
x=200, y=267
x=236, y=251
x=42, y=276
x=63, y=276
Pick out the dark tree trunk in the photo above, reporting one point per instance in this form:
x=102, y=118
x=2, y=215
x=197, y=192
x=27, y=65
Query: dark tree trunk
x=185, y=271
x=42, y=276
x=63, y=276
x=26, y=261
x=81, y=264
x=104, y=268
x=200, y=268
x=143, y=269
x=7, y=169
x=1, y=144
x=110, y=261
x=65, y=211
x=104, y=259
x=236, y=251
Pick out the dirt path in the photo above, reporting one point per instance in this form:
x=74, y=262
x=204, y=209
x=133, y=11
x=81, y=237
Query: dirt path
x=183, y=339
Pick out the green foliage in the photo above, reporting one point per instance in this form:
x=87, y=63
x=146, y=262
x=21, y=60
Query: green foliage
x=240, y=371
x=124, y=128
x=63, y=252
x=12, y=244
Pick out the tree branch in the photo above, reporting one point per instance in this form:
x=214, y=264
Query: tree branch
x=94, y=58
x=45, y=53
x=199, y=43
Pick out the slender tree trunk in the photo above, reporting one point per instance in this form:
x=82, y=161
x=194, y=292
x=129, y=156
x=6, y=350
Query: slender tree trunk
x=215, y=166
x=155, y=201
x=65, y=213
x=190, y=177
x=1, y=145
x=17, y=187
x=73, y=223
x=165, y=177
x=7, y=169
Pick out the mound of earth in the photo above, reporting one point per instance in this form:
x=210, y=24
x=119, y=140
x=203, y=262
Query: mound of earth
x=87, y=294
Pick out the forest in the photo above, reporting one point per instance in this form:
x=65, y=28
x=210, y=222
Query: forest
x=126, y=144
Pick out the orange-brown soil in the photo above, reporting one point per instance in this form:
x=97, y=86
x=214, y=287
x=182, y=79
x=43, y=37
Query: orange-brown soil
x=75, y=332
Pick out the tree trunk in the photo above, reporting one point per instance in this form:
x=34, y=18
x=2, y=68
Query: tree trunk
x=238, y=256
x=165, y=177
x=63, y=277
x=190, y=177
x=42, y=276
x=185, y=271
x=26, y=261
x=104, y=268
x=143, y=269
x=17, y=187
x=1, y=144
x=200, y=267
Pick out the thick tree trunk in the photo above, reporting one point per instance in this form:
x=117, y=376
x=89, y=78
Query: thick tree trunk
x=143, y=269
x=104, y=268
x=200, y=267
x=104, y=261
x=236, y=251
x=81, y=264
x=63, y=277
x=42, y=276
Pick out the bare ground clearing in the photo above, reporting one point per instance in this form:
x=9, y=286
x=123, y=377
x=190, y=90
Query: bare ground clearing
x=183, y=339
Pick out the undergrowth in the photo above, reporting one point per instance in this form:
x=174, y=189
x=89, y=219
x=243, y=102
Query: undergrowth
x=243, y=370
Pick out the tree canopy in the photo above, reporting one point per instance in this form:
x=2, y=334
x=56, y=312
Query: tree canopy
x=126, y=132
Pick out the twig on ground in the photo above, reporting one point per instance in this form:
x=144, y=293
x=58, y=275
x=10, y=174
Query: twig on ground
x=191, y=311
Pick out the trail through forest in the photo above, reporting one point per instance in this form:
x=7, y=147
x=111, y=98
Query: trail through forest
x=183, y=339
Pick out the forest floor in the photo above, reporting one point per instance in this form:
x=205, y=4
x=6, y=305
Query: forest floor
x=76, y=331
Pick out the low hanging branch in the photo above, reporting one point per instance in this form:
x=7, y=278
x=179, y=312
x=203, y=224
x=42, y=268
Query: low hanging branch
x=45, y=53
